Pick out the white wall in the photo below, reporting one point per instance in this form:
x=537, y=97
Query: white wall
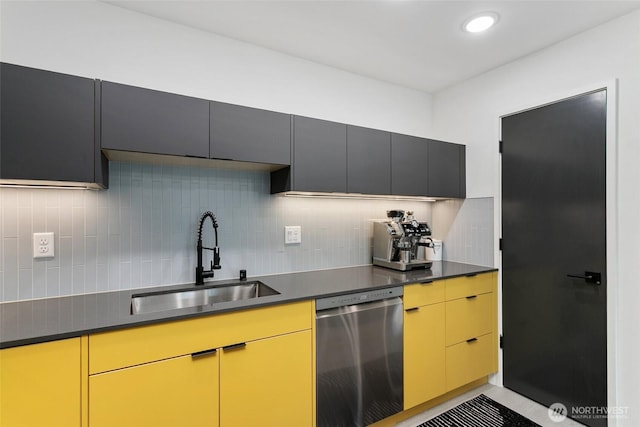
x=102, y=41
x=468, y=113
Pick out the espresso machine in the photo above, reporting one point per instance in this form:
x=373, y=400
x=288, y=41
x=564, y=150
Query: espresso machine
x=401, y=242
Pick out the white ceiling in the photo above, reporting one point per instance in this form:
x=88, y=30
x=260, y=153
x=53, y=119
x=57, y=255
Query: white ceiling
x=417, y=44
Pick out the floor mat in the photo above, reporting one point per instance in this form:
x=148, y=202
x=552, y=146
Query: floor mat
x=480, y=411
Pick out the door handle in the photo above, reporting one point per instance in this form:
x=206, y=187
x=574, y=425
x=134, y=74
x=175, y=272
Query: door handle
x=589, y=277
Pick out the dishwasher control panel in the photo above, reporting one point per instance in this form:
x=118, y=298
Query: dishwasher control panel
x=358, y=298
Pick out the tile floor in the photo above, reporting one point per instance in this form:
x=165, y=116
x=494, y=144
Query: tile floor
x=530, y=409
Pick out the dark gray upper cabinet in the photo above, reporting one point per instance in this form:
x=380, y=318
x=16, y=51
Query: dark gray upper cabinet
x=446, y=170
x=368, y=161
x=409, y=162
x=319, y=155
x=149, y=121
x=48, y=130
x=54, y=125
x=249, y=134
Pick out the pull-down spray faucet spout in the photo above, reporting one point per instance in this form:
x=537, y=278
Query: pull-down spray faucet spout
x=201, y=273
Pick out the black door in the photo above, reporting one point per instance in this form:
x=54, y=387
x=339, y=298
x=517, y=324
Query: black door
x=553, y=226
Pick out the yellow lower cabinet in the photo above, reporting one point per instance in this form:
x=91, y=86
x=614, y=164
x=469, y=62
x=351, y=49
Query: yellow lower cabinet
x=182, y=391
x=40, y=385
x=470, y=360
x=267, y=382
x=424, y=354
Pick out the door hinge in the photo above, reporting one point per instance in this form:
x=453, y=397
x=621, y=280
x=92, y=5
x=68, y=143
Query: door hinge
x=501, y=341
x=500, y=146
x=500, y=244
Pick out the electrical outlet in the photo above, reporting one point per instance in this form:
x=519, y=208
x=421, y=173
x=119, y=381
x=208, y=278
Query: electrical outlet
x=43, y=245
x=292, y=234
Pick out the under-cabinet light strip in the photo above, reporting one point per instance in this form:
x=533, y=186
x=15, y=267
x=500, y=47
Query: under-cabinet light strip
x=356, y=196
x=45, y=186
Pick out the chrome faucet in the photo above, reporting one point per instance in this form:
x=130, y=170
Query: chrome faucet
x=201, y=273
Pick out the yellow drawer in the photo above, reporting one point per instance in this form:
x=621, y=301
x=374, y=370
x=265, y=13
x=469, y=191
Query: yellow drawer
x=469, y=317
x=469, y=361
x=143, y=344
x=418, y=294
x=461, y=287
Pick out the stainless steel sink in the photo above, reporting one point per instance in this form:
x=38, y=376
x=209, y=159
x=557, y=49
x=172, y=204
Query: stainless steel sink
x=173, y=300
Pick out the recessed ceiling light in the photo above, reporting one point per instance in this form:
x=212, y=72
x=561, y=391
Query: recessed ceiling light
x=480, y=23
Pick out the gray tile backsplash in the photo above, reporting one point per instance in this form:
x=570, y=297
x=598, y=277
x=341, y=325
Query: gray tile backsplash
x=466, y=229
x=142, y=231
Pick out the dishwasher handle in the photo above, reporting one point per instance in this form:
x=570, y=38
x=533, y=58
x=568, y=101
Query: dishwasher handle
x=358, y=308
x=357, y=298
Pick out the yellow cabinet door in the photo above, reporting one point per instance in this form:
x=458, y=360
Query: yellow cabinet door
x=267, y=382
x=182, y=391
x=424, y=354
x=40, y=385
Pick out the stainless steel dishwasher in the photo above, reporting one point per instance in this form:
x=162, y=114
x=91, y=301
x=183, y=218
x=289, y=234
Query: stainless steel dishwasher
x=359, y=357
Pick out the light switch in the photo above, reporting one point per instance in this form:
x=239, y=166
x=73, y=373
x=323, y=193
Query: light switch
x=292, y=234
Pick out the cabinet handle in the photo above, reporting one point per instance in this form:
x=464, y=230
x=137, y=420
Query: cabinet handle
x=472, y=296
x=235, y=346
x=412, y=309
x=472, y=340
x=428, y=282
x=203, y=353
x=471, y=275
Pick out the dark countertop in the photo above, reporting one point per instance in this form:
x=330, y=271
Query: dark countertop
x=34, y=321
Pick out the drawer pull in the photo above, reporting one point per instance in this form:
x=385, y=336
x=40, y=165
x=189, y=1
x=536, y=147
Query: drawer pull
x=412, y=309
x=472, y=296
x=203, y=353
x=427, y=282
x=471, y=275
x=235, y=346
x=472, y=340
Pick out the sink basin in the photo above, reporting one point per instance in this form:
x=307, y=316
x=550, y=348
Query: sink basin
x=208, y=295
